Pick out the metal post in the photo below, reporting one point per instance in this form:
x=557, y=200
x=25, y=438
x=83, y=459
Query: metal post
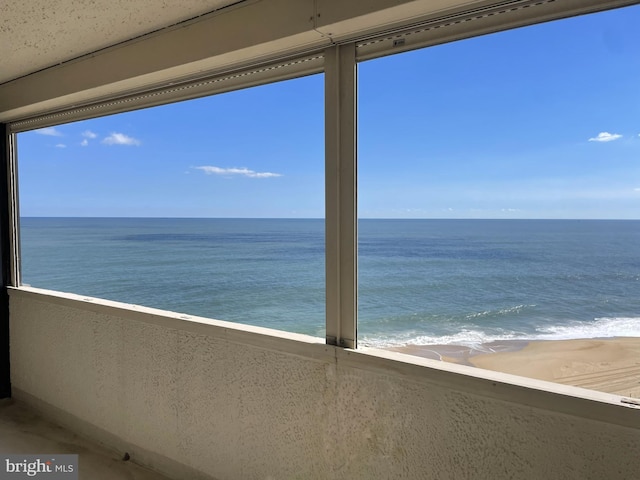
x=340, y=195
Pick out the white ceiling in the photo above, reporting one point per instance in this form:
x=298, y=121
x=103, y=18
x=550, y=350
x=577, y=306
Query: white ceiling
x=36, y=34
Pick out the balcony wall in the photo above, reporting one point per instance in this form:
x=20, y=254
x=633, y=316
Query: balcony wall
x=196, y=398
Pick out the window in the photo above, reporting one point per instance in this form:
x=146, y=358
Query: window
x=498, y=192
x=212, y=207
x=499, y=195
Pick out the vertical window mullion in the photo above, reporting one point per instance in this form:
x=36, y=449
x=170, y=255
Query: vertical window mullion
x=13, y=211
x=340, y=189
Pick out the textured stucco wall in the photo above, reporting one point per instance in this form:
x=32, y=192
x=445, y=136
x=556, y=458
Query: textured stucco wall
x=243, y=405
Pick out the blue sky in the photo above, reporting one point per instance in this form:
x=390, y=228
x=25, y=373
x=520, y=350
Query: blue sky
x=540, y=122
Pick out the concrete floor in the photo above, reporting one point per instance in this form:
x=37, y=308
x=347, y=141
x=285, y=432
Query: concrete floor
x=24, y=431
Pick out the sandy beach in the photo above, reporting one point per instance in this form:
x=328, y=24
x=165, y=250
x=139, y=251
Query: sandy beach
x=608, y=365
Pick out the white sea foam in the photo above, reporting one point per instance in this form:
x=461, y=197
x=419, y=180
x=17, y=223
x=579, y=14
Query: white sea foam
x=503, y=311
x=467, y=337
x=600, y=328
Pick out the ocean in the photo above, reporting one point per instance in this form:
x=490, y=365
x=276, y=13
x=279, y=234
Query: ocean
x=422, y=282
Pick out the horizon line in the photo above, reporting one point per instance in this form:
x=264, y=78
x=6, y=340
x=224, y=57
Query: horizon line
x=323, y=218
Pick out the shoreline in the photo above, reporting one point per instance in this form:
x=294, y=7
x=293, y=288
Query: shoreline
x=610, y=365
x=461, y=354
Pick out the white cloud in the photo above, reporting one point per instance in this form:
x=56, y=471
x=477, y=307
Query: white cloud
x=120, y=139
x=89, y=134
x=50, y=131
x=61, y=145
x=605, y=137
x=636, y=189
x=210, y=170
x=84, y=142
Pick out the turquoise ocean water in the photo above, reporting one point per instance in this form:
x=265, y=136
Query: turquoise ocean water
x=420, y=281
